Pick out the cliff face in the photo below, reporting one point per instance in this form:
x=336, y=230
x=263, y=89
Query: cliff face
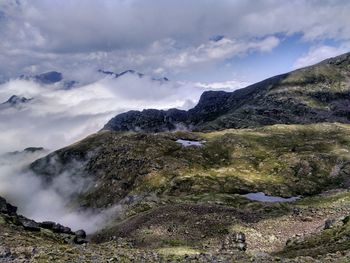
x=320, y=93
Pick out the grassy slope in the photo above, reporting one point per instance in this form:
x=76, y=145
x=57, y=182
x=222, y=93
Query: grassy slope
x=278, y=160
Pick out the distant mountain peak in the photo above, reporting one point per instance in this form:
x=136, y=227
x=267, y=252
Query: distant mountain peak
x=49, y=77
x=15, y=100
x=130, y=71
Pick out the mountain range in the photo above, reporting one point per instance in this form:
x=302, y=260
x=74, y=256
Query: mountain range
x=315, y=94
x=179, y=182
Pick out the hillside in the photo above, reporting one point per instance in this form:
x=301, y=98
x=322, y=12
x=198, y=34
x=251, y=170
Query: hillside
x=319, y=93
x=177, y=197
x=185, y=196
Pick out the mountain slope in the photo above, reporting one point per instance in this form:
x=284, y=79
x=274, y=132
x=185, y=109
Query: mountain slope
x=320, y=93
x=281, y=160
x=190, y=198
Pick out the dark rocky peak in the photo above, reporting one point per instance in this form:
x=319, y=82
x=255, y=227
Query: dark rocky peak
x=106, y=72
x=216, y=38
x=16, y=100
x=149, y=120
x=50, y=77
x=130, y=71
x=210, y=104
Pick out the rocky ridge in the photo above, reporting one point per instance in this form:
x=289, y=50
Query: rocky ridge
x=319, y=93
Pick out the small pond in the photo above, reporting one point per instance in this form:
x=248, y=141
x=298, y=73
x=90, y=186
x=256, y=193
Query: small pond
x=187, y=143
x=260, y=196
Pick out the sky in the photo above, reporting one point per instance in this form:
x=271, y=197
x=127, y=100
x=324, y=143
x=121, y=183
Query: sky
x=187, y=40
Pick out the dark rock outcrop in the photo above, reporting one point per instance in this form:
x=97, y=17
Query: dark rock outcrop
x=6, y=208
x=9, y=213
x=149, y=120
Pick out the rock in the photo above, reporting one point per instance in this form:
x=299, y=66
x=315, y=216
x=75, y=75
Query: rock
x=7, y=208
x=80, y=236
x=66, y=230
x=57, y=228
x=47, y=224
x=5, y=253
x=333, y=222
x=79, y=241
x=80, y=233
x=233, y=242
x=346, y=220
x=29, y=224
x=3, y=206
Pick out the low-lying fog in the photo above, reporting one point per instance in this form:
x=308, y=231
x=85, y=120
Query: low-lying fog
x=56, y=117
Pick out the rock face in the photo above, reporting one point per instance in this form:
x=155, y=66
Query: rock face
x=148, y=120
x=8, y=213
x=6, y=208
x=320, y=93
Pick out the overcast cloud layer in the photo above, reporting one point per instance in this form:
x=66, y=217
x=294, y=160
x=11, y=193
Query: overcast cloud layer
x=156, y=37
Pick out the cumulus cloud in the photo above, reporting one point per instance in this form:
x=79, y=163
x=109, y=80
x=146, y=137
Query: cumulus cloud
x=317, y=54
x=213, y=51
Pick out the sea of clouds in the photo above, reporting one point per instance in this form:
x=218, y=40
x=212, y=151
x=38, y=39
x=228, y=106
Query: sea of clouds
x=55, y=117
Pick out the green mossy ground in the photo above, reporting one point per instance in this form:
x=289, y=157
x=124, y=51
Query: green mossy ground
x=189, y=198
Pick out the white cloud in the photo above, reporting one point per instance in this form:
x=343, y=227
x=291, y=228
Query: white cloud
x=225, y=85
x=42, y=202
x=155, y=37
x=57, y=117
x=214, y=51
x=317, y=54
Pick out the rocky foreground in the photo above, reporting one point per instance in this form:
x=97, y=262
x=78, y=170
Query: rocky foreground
x=315, y=229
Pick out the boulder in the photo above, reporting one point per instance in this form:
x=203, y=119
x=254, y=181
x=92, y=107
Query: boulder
x=6, y=208
x=234, y=242
x=47, y=225
x=80, y=233
x=29, y=224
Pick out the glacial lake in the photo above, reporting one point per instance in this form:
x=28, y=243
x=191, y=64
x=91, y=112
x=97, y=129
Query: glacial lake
x=187, y=143
x=262, y=197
